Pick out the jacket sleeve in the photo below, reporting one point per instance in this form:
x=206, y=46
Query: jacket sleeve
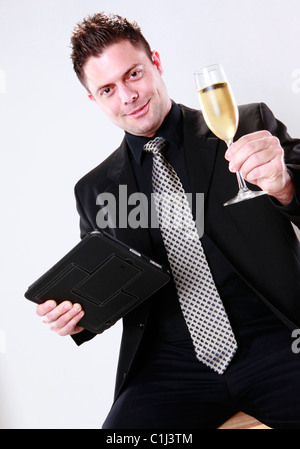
x=291, y=149
x=84, y=223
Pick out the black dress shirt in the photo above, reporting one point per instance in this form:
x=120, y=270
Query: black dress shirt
x=246, y=311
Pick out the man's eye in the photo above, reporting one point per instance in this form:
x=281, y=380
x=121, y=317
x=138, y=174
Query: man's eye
x=135, y=74
x=105, y=91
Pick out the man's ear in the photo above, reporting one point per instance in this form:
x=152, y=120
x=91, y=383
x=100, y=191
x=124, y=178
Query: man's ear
x=91, y=97
x=156, y=61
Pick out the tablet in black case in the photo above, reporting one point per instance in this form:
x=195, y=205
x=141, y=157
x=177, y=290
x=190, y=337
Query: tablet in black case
x=105, y=276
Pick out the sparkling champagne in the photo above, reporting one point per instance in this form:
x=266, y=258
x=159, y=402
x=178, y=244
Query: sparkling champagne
x=221, y=115
x=219, y=110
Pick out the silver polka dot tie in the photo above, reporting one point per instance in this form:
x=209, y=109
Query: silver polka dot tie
x=201, y=305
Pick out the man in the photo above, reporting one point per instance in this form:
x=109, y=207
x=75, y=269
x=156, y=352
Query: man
x=251, y=248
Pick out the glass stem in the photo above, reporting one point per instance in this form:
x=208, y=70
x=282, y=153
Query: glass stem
x=242, y=184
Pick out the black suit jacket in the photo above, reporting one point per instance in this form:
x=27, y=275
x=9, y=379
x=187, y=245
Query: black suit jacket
x=256, y=236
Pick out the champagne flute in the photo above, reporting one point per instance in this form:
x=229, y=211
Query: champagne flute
x=221, y=116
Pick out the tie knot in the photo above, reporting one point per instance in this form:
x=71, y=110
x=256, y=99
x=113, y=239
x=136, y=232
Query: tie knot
x=156, y=145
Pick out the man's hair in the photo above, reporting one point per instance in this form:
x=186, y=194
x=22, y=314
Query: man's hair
x=95, y=33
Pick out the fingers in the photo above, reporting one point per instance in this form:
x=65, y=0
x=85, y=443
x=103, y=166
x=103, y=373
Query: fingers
x=253, y=151
x=63, y=318
x=45, y=307
x=260, y=158
x=257, y=155
x=262, y=166
x=67, y=324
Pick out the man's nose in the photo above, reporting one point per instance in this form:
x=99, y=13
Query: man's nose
x=127, y=95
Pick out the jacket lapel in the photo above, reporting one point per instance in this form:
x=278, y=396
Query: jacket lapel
x=200, y=148
x=121, y=174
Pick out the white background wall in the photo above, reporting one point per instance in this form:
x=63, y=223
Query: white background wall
x=51, y=135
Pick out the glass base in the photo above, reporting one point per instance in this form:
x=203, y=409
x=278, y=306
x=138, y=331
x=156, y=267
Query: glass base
x=244, y=195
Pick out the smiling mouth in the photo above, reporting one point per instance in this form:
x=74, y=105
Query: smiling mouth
x=140, y=111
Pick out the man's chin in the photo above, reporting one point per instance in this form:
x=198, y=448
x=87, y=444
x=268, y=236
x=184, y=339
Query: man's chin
x=138, y=130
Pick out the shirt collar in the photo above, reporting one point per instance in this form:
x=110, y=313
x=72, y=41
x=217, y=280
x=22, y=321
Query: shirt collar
x=170, y=129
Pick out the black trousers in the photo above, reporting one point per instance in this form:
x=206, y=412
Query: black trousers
x=173, y=390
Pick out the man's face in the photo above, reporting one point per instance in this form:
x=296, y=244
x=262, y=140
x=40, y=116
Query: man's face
x=129, y=88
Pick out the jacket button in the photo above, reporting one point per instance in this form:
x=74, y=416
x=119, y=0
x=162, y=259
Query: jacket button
x=125, y=374
x=142, y=325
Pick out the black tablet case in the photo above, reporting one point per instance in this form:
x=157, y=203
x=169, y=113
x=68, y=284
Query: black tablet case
x=108, y=278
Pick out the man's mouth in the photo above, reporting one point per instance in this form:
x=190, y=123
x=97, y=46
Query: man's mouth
x=139, y=112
